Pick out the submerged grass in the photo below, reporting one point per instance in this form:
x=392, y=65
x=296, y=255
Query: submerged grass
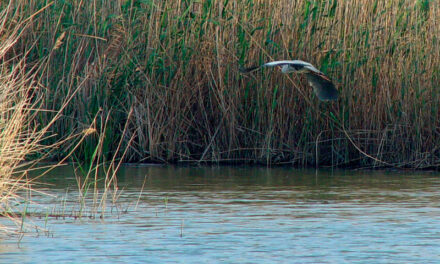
x=174, y=64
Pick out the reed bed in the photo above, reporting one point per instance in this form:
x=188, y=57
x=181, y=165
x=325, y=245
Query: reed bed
x=21, y=131
x=174, y=64
x=20, y=135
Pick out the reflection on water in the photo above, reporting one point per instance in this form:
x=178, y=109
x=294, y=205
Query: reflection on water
x=245, y=215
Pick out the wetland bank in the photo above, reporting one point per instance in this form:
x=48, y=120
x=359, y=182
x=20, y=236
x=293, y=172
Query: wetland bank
x=100, y=84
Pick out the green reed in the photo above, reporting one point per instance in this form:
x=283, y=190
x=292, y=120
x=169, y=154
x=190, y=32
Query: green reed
x=175, y=63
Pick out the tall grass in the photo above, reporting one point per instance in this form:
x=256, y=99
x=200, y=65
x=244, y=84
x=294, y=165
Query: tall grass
x=20, y=134
x=175, y=63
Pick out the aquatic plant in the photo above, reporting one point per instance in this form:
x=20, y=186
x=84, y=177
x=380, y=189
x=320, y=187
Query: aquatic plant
x=20, y=134
x=175, y=63
x=97, y=181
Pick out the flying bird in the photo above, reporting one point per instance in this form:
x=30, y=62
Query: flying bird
x=322, y=85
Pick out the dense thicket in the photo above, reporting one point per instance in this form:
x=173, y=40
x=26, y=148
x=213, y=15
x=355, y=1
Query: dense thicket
x=169, y=70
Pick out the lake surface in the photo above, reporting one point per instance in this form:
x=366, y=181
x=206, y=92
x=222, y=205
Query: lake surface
x=237, y=215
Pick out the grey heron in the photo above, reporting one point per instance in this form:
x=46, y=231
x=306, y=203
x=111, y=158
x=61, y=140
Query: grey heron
x=322, y=85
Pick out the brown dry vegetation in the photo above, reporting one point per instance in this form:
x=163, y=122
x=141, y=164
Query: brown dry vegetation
x=20, y=136
x=174, y=64
x=21, y=133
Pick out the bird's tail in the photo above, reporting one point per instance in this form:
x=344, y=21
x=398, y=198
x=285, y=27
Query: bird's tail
x=248, y=70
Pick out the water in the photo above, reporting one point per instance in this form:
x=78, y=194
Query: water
x=242, y=215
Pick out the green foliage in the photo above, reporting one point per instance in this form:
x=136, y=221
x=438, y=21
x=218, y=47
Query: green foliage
x=175, y=64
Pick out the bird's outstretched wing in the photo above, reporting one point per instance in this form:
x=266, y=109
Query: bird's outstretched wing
x=297, y=64
x=322, y=86
x=250, y=69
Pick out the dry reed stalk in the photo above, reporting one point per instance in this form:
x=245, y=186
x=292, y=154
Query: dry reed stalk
x=20, y=134
x=19, y=137
x=175, y=63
